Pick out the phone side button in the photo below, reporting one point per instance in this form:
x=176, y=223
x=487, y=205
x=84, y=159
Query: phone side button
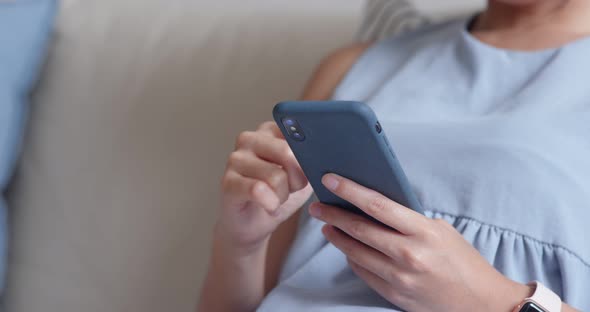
x=388, y=146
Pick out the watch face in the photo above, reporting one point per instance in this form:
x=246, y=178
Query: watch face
x=531, y=307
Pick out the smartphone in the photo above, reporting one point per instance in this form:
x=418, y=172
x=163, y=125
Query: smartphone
x=345, y=138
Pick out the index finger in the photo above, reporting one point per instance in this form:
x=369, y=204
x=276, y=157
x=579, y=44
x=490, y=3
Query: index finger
x=376, y=205
x=271, y=128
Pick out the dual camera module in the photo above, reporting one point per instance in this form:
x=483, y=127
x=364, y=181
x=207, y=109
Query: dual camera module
x=293, y=129
x=296, y=132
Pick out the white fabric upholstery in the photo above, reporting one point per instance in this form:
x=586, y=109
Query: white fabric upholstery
x=130, y=129
x=441, y=10
x=384, y=18
x=138, y=109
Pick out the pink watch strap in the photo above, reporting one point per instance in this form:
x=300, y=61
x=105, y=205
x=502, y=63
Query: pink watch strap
x=545, y=298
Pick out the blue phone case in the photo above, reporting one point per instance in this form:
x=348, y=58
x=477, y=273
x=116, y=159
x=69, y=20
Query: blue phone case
x=344, y=138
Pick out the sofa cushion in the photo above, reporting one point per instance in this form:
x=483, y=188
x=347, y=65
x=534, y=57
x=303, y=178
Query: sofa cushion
x=383, y=18
x=132, y=122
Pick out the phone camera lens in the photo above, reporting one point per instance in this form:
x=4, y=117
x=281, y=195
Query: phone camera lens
x=298, y=136
x=378, y=127
x=289, y=122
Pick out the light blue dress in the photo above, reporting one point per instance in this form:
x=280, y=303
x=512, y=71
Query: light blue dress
x=496, y=142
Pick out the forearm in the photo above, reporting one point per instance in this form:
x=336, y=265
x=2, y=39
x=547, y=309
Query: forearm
x=234, y=282
x=567, y=308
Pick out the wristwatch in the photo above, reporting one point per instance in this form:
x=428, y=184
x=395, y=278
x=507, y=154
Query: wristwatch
x=543, y=300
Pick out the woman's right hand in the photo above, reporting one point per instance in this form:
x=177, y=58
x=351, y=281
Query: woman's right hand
x=263, y=186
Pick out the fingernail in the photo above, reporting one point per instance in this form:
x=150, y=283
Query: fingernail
x=330, y=181
x=315, y=210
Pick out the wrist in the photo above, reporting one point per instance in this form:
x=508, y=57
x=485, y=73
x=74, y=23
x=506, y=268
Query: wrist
x=511, y=296
x=235, y=248
x=235, y=278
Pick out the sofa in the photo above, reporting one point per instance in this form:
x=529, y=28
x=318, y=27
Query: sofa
x=116, y=192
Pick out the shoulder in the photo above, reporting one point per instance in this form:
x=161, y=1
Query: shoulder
x=331, y=71
x=334, y=67
x=344, y=57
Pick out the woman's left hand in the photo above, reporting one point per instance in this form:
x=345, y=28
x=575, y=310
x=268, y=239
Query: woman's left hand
x=426, y=265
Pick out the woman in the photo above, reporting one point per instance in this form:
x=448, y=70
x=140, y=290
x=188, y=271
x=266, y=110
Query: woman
x=490, y=119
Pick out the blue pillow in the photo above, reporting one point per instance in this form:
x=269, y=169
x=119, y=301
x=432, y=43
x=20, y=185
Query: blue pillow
x=25, y=26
